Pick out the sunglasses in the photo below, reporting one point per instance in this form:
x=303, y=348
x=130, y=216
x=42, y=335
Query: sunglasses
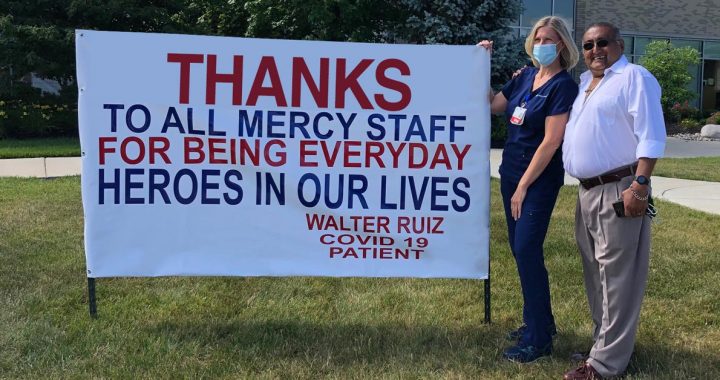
x=591, y=44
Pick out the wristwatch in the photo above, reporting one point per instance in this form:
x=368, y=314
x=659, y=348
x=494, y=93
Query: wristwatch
x=642, y=180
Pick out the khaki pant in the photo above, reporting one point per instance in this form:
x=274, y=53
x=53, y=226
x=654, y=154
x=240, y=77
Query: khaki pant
x=615, y=255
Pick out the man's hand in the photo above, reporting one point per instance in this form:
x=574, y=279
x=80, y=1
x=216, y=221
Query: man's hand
x=635, y=207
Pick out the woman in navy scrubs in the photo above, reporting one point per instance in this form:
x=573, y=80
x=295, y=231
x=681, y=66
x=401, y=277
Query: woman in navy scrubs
x=536, y=104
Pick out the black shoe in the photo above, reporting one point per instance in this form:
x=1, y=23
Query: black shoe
x=517, y=334
x=525, y=353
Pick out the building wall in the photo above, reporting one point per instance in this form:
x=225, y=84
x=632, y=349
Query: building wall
x=691, y=23
x=694, y=18
x=664, y=18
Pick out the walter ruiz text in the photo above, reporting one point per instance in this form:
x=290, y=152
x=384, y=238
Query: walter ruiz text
x=375, y=237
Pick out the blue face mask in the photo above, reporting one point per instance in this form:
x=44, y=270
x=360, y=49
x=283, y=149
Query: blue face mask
x=545, y=54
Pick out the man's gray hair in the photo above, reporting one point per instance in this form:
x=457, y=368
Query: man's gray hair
x=603, y=24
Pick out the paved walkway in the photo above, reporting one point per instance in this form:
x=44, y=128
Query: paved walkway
x=40, y=167
x=698, y=195
x=679, y=148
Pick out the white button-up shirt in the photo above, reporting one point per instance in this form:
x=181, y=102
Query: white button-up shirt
x=619, y=122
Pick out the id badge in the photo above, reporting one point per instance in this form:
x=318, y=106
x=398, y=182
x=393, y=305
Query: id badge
x=518, y=116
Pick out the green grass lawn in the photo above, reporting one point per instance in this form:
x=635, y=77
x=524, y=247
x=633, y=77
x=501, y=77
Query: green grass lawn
x=699, y=168
x=302, y=327
x=47, y=147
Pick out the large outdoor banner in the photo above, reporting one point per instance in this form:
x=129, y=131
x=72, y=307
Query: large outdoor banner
x=253, y=157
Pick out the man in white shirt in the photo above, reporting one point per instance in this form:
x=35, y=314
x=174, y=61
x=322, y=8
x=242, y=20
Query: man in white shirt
x=614, y=136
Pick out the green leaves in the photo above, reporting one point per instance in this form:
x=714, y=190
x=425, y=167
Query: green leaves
x=339, y=20
x=670, y=66
x=38, y=36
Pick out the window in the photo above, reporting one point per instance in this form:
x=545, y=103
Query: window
x=534, y=11
x=712, y=50
x=629, y=42
x=566, y=10
x=640, y=44
x=537, y=9
x=690, y=43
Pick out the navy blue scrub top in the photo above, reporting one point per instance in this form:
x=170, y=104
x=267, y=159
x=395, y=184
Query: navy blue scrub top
x=555, y=97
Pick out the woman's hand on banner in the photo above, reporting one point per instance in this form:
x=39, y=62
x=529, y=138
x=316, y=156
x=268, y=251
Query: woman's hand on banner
x=487, y=44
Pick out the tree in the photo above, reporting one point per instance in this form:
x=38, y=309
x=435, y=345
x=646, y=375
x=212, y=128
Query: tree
x=463, y=22
x=670, y=66
x=39, y=36
x=214, y=17
x=457, y=22
x=328, y=20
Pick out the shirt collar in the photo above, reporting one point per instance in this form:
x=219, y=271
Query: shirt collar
x=617, y=67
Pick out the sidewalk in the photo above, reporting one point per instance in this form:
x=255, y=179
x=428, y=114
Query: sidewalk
x=40, y=167
x=698, y=195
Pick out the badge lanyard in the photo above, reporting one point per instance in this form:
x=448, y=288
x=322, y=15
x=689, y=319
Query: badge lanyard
x=518, y=116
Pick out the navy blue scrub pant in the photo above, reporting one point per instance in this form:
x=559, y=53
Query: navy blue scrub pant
x=526, y=237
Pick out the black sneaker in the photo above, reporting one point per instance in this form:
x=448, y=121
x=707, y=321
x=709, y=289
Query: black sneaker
x=517, y=334
x=525, y=353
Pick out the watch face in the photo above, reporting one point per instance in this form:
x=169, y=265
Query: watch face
x=641, y=179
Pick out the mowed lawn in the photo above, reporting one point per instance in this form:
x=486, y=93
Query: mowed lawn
x=41, y=147
x=309, y=328
x=697, y=168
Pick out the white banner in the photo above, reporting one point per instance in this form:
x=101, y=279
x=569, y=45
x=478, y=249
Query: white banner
x=253, y=157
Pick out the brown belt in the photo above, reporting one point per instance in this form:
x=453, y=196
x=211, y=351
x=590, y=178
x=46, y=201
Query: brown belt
x=609, y=177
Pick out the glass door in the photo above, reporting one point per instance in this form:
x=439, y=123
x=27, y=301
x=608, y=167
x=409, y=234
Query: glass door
x=711, y=86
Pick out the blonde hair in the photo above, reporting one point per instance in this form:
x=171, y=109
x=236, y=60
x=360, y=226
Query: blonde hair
x=569, y=55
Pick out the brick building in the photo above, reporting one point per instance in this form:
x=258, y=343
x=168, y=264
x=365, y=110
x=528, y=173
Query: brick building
x=689, y=23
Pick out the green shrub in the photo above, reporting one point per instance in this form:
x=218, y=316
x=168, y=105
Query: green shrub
x=22, y=120
x=713, y=119
x=4, y=116
x=669, y=65
x=498, y=130
x=672, y=115
x=690, y=125
x=685, y=111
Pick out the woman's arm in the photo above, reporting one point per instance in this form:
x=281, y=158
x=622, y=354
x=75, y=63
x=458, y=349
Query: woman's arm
x=498, y=103
x=554, y=133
